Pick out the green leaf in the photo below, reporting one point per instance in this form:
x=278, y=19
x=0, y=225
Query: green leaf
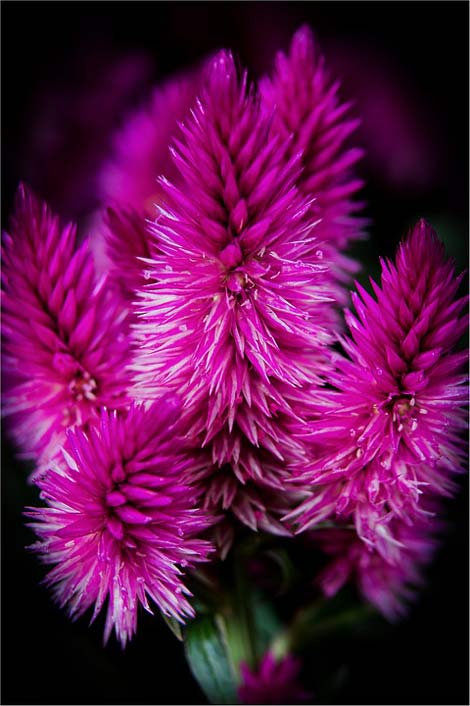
x=266, y=623
x=209, y=662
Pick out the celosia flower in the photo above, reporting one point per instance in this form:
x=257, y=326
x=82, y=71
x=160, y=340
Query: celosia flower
x=276, y=681
x=141, y=147
x=389, y=587
x=64, y=350
x=390, y=431
x=307, y=113
x=120, y=521
x=128, y=181
x=235, y=319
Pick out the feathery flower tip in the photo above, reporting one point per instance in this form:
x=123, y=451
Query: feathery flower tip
x=120, y=521
x=303, y=99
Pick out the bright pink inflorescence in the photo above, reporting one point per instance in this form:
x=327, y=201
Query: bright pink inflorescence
x=235, y=318
x=228, y=299
x=120, y=520
x=276, y=681
x=64, y=348
x=390, y=434
x=128, y=182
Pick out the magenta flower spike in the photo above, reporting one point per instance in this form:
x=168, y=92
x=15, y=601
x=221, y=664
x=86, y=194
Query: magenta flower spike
x=64, y=349
x=303, y=99
x=128, y=184
x=389, y=587
x=276, y=681
x=235, y=319
x=391, y=431
x=120, y=522
x=141, y=147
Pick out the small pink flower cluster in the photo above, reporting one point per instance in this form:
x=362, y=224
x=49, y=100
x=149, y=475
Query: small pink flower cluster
x=195, y=385
x=276, y=681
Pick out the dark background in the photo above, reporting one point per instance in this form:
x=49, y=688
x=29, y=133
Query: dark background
x=51, y=49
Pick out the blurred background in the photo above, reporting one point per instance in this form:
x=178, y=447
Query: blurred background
x=71, y=73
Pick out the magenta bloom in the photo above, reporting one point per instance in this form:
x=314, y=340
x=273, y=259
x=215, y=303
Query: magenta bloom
x=308, y=114
x=141, y=147
x=235, y=319
x=128, y=182
x=274, y=682
x=391, y=430
x=120, y=521
x=390, y=587
x=64, y=350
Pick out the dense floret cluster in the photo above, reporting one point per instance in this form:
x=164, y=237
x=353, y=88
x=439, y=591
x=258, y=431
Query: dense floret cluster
x=197, y=381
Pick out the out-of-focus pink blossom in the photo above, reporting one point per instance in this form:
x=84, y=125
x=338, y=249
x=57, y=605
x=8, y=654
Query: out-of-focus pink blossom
x=390, y=587
x=126, y=243
x=128, y=183
x=275, y=681
x=141, y=148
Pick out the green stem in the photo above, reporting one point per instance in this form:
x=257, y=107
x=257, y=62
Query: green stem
x=236, y=621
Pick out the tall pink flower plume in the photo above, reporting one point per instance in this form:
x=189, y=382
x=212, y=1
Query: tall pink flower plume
x=128, y=182
x=391, y=431
x=64, y=350
x=235, y=318
x=141, y=147
x=120, y=522
x=276, y=681
x=390, y=587
x=306, y=109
